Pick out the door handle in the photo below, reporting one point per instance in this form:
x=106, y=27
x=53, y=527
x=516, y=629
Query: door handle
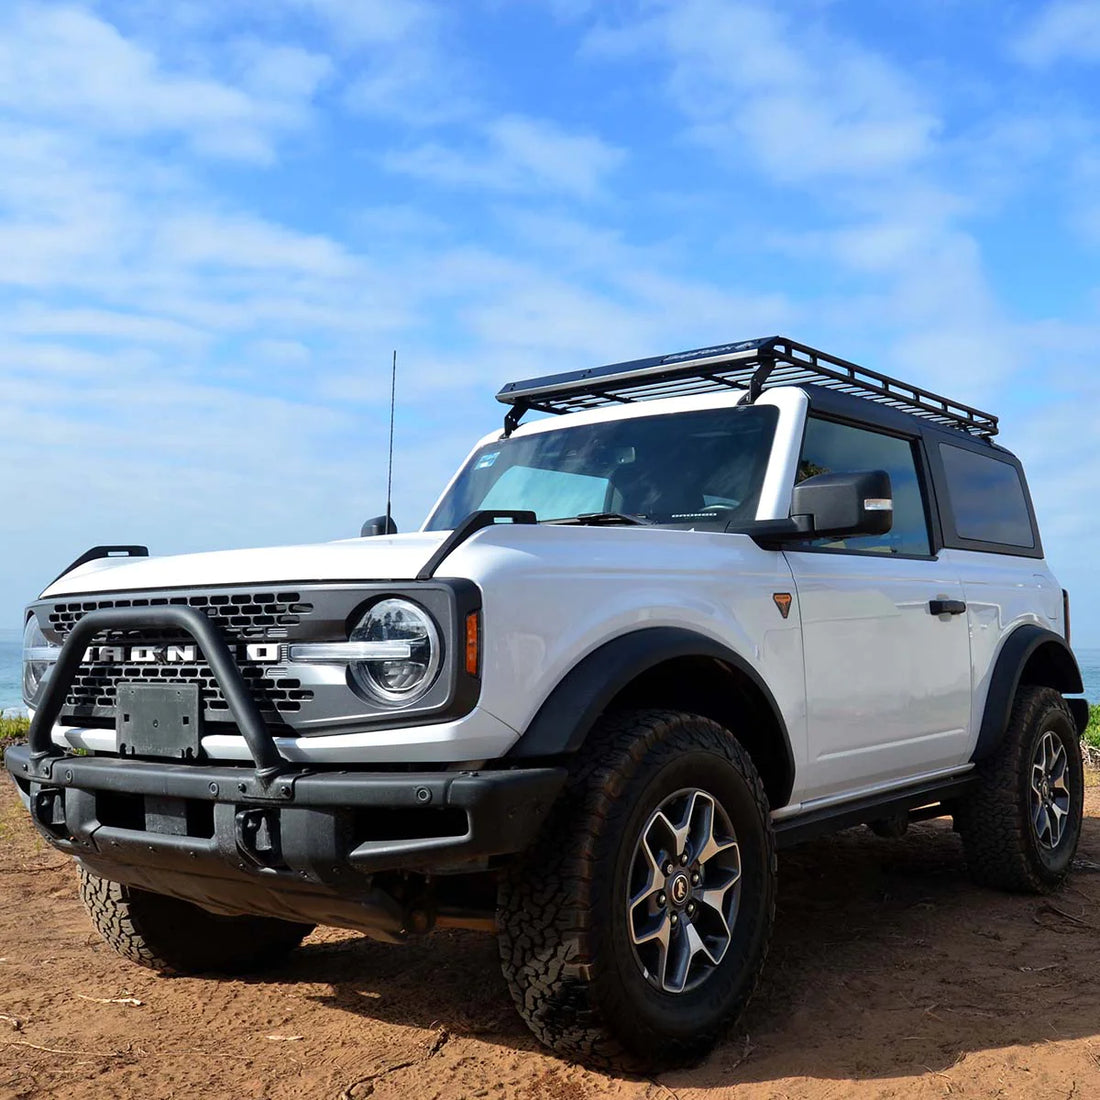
x=947, y=607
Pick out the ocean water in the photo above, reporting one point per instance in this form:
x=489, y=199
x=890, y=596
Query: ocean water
x=1089, y=660
x=11, y=673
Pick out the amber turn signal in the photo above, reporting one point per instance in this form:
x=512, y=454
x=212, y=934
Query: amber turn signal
x=473, y=642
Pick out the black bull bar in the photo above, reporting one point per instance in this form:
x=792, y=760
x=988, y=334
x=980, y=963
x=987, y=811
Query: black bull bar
x=269, y=763
x=325, y=821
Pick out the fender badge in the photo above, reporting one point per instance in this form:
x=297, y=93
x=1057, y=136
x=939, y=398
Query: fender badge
x=783, y=601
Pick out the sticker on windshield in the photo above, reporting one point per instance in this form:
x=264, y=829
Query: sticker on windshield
x=486, y=461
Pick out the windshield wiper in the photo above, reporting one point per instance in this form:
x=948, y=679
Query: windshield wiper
x=600, y=519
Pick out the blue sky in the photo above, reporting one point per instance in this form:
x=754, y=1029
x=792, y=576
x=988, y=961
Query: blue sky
x=218, y=218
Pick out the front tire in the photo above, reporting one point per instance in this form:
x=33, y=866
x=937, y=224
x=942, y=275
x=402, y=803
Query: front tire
x=637, y=925
x=175, y=937
x=1020, y=829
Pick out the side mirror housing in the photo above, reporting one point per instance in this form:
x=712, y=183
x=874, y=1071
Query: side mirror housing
x=380, y=525
x=830, y=506
x=835, y=505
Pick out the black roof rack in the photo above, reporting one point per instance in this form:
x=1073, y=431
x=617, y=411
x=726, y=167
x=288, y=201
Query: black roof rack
x=752, y=365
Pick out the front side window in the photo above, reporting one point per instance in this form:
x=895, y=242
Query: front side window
x=986, y=498
x=698, y=469
x=831, y=448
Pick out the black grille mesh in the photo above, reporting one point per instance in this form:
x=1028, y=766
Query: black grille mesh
x=248, y=616
x=241, y=616
x=96, y=686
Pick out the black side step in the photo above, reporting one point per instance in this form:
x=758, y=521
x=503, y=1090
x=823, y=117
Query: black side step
x=831, y=819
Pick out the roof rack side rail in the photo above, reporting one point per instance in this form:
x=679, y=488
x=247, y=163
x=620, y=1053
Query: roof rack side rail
x=750, y=365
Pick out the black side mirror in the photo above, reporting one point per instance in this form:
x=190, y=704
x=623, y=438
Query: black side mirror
x=835, y=505
x=380, y=525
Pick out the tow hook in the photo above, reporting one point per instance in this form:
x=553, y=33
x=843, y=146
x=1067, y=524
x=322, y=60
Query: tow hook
x=258, y=838
x=48, y=808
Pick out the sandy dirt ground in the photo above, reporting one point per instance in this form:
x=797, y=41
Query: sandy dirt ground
x=890, y=975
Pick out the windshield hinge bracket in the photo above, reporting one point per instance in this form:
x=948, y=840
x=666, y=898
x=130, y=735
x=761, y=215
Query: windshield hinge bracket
x=513, y=417
x=760, y=376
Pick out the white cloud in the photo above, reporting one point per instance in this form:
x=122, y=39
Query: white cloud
x=37, y=320
x=1064, y=30
x=243, y=242
x=806, y=102
x=516, y=154
x=65, y=64
x=412, y=89
x=374, y=22
x=904, y=280
x=401, y=61
x=281, y=74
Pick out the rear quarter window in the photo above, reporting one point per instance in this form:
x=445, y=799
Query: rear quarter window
x=987, y=499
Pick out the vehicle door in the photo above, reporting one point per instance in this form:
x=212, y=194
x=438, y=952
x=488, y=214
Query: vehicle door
x=886, y=643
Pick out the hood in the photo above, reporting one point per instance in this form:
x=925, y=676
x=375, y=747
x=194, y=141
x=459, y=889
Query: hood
x=383, y=558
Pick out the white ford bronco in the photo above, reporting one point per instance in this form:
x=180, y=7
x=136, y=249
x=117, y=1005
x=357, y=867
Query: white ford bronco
x=712, y=604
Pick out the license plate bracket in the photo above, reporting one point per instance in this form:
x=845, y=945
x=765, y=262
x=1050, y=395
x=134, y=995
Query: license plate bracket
x=162, y=720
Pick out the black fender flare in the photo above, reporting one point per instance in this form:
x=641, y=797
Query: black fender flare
x=1060, y=672
x=570, y=711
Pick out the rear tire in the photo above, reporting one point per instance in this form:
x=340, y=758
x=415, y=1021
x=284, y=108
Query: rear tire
x=1020, y=829
x=176, y=937
x=661, y=841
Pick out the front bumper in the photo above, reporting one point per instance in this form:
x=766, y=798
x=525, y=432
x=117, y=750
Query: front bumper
x=278, y=838
x=305, y=846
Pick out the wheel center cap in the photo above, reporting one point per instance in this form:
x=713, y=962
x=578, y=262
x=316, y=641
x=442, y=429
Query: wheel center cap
x=678, y=888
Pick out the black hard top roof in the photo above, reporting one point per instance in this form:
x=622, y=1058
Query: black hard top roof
x=752, y=365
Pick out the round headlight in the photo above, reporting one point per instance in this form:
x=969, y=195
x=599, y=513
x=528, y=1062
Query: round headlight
x=403, y=678
x=39, y=658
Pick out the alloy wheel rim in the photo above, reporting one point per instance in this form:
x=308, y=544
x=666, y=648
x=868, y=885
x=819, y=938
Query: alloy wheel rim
x=1050, y=795
x=685, y=890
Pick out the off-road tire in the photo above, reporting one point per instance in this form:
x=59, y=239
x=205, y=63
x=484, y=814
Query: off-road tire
x=1002, y=847
x=564, y=941
x=176, y=937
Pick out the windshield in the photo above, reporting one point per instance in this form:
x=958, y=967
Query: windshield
x=684, y=469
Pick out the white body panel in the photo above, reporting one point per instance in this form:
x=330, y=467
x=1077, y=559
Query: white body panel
x=551, y=596
x=478, y=736
x=386, y=557
x=1002, y=593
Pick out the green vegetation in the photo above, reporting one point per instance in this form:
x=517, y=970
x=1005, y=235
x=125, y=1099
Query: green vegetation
x=1092, y=734
x=11, y=731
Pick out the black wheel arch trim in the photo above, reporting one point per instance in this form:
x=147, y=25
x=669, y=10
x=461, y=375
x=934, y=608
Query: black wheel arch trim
x=568, y=714
x=1080, y=709
x=1063, y=674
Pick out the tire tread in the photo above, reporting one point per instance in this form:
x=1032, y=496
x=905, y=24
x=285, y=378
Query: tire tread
x=546, y=949
x=175, y=937
x=995, y=829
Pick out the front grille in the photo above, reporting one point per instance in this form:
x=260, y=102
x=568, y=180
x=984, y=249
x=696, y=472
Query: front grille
x=96, y=686
x=247, y=616
x=242, y=617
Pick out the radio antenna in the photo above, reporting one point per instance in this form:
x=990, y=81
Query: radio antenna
x=389, y=468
